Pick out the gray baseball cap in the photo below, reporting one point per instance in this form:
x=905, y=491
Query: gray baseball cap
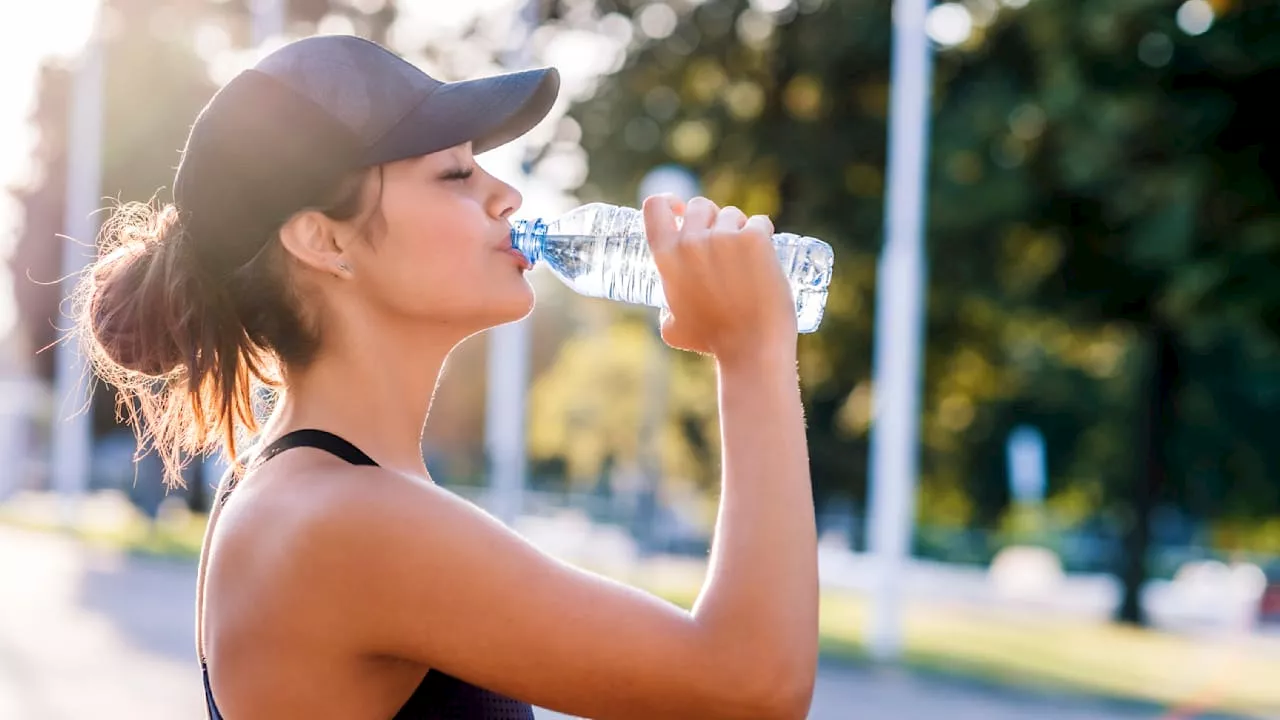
x=283, y=133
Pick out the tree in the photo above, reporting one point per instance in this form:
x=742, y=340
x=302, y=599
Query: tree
x=1102, y=228
x=767, y=117
x=1146, y=159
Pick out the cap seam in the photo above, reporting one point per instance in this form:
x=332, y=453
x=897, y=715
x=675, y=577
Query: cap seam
x=334, y=63
x=374, y=143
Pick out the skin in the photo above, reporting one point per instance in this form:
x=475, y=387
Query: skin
x=328, y=590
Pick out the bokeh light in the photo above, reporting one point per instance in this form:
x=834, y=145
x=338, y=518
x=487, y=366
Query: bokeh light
x=949, y=24
x=1195, y=17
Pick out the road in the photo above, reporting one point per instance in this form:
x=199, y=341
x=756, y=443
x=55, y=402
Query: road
x=92, y=633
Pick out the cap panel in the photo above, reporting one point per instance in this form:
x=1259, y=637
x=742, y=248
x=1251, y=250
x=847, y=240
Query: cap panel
x=258, y=153
x=360, y=83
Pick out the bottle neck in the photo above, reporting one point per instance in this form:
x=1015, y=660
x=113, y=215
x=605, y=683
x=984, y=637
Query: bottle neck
x=528, y=236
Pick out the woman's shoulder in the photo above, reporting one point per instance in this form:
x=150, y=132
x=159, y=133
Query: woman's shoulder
x=314, y=505
x=304, y=529
x=308, y=491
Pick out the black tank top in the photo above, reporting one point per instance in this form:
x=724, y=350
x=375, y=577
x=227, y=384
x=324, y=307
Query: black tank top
x=439, y=696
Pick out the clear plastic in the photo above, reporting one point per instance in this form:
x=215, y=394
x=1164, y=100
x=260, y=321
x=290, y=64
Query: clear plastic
x=600, y=251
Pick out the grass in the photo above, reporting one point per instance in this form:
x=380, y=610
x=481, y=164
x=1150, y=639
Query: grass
x=114, y=524
x=992, y=645
x=1038, y=651
x=1059, y=655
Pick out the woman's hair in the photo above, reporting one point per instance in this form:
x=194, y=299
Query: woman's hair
x=187, y=346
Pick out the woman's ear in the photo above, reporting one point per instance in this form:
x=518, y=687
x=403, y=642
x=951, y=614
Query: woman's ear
x=310, y=237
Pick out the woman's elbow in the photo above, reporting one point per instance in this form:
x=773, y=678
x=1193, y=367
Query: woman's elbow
x=788, y=695
x=770, y=692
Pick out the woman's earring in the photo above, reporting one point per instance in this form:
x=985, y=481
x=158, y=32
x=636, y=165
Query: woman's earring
x=344, y=267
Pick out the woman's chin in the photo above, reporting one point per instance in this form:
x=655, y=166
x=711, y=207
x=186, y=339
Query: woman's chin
x=511, y=308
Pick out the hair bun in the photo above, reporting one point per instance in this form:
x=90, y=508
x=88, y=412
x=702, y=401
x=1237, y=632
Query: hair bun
x=130, y=310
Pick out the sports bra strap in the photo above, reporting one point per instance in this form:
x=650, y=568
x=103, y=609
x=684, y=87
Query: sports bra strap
x=309, y=437
x=318, y=439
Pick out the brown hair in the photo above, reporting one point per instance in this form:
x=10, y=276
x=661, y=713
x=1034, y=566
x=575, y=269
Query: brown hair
x=188, y=346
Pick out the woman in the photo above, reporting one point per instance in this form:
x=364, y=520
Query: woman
x=333, y=236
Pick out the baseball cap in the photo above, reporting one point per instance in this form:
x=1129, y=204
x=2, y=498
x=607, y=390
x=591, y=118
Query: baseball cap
x=281, y=134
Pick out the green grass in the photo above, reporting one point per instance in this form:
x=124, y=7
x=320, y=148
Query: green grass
x=1020, y=649
x=178, y=534
x=1040, y=651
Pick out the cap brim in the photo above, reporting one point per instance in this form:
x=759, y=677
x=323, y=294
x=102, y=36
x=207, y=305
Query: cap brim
x=487, y=112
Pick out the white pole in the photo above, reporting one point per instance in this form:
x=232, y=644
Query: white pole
x=71, y=443
x=505, y=417
x=506, y=407
x=17, y=400
x=900, y=294
x=679, y=181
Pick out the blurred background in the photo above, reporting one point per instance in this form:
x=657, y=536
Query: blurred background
x=1078, y=515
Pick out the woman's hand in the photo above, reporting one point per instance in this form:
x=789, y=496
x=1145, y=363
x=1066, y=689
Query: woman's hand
x=725, y=289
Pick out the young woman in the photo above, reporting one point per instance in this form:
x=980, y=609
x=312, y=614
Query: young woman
x=333, y=237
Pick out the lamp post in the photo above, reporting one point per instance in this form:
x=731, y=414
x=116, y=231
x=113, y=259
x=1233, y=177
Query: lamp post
x=899, y=326
x=681, y=182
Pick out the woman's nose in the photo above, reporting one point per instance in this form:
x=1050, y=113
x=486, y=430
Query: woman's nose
x=506, y=201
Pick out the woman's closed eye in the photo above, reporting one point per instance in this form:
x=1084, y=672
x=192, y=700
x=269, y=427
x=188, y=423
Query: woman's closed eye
x=458, y=174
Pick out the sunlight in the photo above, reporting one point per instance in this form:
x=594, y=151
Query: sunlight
x=30, y=32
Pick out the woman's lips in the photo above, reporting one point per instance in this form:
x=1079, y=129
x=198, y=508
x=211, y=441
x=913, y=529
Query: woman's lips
x=519, y=256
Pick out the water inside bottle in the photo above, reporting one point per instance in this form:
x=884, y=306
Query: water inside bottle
x=619, y=267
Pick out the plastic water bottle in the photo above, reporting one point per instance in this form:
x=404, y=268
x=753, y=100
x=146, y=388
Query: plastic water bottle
x=600, y=251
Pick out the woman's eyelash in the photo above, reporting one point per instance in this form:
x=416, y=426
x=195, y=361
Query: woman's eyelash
x=459, y=174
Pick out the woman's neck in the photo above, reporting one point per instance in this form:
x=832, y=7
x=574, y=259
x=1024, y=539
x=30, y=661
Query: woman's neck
x=374, y=389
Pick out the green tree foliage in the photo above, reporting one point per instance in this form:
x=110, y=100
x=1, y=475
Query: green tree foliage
x=1102, y=233
x=1142, y=153
x=788, y=123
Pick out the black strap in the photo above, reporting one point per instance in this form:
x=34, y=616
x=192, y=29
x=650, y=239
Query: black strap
x=318, y=439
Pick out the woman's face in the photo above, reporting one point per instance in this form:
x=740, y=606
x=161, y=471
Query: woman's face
x=439, y=245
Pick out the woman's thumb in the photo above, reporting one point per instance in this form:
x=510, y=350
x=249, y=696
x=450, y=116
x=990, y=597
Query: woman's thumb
x=660, y=222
